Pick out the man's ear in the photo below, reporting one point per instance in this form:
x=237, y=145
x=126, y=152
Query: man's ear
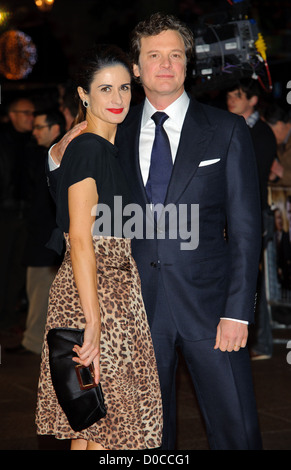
x=136, y=71
x=254, y=100
x=55, y=129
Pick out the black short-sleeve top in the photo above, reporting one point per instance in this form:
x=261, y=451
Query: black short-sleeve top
x=91, y=156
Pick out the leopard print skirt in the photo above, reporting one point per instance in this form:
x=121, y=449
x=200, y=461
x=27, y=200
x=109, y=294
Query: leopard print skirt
x=128, y=369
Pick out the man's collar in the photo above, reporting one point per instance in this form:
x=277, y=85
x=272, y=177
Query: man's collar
x=252, y=119
x=176, y=110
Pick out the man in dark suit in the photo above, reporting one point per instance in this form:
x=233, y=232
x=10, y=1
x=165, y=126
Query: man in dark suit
x=199, y=296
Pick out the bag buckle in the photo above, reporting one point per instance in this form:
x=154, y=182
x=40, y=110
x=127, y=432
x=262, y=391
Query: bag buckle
x=85, y=376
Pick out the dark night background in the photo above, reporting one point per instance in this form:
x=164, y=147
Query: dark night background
x=62, y=33
x=60, y=36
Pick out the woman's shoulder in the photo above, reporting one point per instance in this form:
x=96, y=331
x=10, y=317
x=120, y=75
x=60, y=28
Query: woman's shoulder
x=85, y=140
x=87, y=149
x=93, y=140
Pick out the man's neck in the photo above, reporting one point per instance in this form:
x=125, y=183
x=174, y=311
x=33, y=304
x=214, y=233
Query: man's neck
x=160, y=102
x=247, y=114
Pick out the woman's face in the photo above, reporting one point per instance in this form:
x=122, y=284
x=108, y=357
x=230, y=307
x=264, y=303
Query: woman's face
x=109, y=96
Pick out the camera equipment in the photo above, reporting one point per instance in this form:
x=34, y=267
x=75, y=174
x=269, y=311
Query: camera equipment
x=230, y=50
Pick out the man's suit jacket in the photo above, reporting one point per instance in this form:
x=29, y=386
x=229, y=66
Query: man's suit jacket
x=214, y=168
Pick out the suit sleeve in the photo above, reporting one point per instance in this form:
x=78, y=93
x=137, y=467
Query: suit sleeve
x=244, y=224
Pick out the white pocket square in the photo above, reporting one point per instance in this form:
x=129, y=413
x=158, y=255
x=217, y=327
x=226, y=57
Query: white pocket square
x=209, y=162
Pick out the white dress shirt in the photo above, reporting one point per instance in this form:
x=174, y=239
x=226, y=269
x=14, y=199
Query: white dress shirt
x=173, y=126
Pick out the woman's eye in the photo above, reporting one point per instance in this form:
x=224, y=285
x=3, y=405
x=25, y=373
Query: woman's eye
x=106, y=88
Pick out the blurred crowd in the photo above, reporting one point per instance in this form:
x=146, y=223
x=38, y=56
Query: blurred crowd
x=29, y=126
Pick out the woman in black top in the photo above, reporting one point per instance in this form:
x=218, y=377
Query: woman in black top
x=97, y=286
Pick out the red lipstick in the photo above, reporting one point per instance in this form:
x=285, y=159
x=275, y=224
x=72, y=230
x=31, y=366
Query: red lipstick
x=115, y=110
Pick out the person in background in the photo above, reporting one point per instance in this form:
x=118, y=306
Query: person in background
x=243, y=99
x=69, y=107
x=15, y=147
x=280, y=122
x=42, y=263
x=283, y=250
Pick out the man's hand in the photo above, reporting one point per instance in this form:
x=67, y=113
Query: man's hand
x=59, y=148
x=231, y=335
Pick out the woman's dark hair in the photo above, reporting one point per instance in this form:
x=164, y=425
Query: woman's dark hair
x=94, y=60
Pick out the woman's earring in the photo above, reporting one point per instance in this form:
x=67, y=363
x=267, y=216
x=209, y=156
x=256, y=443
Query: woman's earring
x=85, y=103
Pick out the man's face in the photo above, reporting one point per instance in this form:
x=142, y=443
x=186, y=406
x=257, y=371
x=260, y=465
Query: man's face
x=42, y=132
x=162, y=66
x=238, y=103
x=21, y=115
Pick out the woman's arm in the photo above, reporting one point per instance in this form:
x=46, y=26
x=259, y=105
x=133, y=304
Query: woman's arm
x=82, y=196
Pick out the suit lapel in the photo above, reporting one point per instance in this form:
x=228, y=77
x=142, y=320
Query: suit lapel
x=195, y=136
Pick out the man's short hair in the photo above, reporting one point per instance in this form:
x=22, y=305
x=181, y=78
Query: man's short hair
x=274, y=113
x=53, y=116
x=249, y=86
x=154, y=25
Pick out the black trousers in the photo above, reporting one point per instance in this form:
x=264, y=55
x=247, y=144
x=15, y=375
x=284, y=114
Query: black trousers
x=222, y=381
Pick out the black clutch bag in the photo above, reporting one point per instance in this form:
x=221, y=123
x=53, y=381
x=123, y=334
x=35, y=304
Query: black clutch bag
x=80, y=398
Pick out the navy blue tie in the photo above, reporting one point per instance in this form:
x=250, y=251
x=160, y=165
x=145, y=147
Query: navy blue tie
x=161, y=162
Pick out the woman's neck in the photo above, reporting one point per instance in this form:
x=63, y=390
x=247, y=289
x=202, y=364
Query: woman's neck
x=102, y=128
